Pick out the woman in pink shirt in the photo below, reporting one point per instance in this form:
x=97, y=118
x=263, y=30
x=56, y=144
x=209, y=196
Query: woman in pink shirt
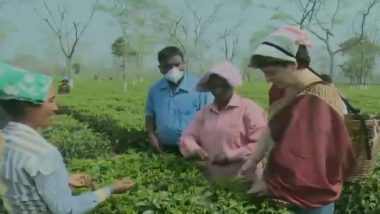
x=224, y=133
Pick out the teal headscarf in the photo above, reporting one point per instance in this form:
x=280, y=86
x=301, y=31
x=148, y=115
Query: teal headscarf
x=19, y=84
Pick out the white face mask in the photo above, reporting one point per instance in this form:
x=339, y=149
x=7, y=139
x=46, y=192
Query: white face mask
x=174, y=75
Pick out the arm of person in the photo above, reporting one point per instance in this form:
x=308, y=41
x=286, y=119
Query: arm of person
x=57, y=195
x=189, y=142
x=262, y=146
x=150, y=123
x=254, y=119
x=150, y=127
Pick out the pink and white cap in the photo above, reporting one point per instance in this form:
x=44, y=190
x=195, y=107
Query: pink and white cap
x=224, y=69
x=289, y=38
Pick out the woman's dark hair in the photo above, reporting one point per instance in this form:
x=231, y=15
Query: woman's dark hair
x=326, y=78
x=165, y=54
x=302, y=57
x=220, y=78
x=16, y=109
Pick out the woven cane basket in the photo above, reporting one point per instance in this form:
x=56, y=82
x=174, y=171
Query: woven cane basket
x=364, y=131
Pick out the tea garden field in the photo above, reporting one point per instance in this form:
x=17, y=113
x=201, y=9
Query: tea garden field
x=100, y=130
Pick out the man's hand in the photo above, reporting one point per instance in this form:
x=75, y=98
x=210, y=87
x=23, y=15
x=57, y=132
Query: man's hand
x=220, y=159
x=155, y=143
x=201, y=154
x=249, y=166
x=258, y=187
x=152, y=137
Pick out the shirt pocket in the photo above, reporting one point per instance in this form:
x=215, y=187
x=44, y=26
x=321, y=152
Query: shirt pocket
x=185, y=117
x=231, y=134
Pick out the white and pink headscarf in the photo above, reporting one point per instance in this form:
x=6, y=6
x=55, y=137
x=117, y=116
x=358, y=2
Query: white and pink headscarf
x=224, y=69
x=287, y=38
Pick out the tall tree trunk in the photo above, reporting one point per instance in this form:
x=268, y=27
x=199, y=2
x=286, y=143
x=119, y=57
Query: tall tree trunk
x=247, y=76
x=124, y=67
x=68, y=66
x=367, y=80
x=331, y=65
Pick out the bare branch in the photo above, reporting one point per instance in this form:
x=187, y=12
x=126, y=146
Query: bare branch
x=230, y=50
x=174, y=29
x=198, y=23
x=333, y=18
x=235, y=44
x=185, y=31
x=309, y=14
x=62, y=32
x=228, y=32
x=77, y=37
x=50, y=25
x=211, y=17
x=84, y=28
x=202, y=26
x=307, y=11
x=188, y=30
x=174, y=36
x=371, y=5
x=225, y=44
x=181, y=44
x=323, y=28
x=300, y=5
x=50, y=13
x=66, y=37
x=121, y=14
x=47, y=21
x=323, y=39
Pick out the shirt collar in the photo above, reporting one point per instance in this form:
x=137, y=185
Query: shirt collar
x=235, y=101
x=185, y=85
x=20, y=127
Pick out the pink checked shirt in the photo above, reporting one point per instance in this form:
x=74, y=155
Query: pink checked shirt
x=233, y=131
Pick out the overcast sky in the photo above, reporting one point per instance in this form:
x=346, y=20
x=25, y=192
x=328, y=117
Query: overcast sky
x=29, y=35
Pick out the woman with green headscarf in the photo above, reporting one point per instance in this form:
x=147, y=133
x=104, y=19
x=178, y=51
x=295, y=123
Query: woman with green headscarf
x=33, y=176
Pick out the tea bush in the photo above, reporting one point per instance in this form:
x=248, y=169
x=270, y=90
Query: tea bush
x=75, y=140
x=168, y=184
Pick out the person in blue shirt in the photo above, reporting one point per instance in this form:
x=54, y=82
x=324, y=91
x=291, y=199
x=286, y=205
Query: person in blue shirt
x=172, y=101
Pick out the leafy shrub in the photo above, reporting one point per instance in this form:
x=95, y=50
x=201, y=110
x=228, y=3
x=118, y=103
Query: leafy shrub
x=75, y=140
x=168, y=184
x=361, y=196
x=123, y=135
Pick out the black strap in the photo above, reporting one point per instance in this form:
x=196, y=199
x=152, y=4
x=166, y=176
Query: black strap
x=350, y=108
x=278, y=48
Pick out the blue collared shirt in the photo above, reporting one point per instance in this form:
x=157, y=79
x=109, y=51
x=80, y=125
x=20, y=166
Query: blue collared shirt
x=173, y=111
